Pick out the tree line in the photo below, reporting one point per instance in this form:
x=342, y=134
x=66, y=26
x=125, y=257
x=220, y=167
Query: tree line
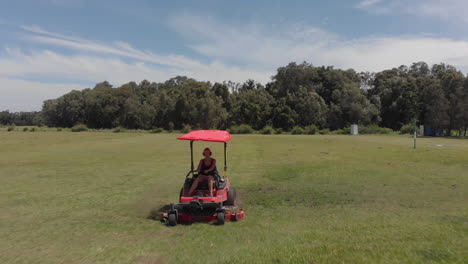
x=20, y=118
x=297, y=95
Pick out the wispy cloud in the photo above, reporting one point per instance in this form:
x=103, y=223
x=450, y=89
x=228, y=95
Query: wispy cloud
x=234, y=52
x=149, y=63
x=66, y=3
x=367, y=3
x=118, y=48
x=93, y=62
x=271, y=47
x=251, y=44
x=448, y=10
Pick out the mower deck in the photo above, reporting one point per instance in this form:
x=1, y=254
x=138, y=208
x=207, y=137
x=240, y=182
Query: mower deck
x=208, y=212
x=204, y=208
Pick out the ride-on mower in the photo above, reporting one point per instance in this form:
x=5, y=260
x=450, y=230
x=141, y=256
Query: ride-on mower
x=203, y=207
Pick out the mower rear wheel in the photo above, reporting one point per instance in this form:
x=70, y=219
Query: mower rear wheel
x=231, y=197
x=172, y=219
x=220, y=218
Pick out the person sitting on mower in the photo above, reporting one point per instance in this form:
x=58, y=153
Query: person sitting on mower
x=206, y=171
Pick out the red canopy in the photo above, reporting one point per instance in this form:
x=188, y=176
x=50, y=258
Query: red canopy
x=207, y=135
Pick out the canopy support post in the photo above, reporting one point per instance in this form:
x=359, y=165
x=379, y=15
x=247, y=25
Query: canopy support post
x=225, y=160
x=191, y=154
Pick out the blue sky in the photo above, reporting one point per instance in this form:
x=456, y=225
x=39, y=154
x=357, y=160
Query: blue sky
x=49, y=47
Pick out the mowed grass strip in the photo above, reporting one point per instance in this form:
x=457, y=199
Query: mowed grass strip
x=89, y=197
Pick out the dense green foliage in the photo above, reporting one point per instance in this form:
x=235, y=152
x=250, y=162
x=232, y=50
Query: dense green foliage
x=311, y=130
x=267, y=130
x=157, y=130
x=407, y=129
x=437, y=96
x=297, y=130
x=118, y=130
x=20, y=118
x=299, y=95
x=374, y=129
x=241, y=129
x=79, y=128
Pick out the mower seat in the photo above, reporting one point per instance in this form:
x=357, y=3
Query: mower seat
x=218, y=184
x=203, y=186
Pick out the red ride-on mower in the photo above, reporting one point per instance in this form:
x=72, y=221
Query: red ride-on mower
x=202, y=207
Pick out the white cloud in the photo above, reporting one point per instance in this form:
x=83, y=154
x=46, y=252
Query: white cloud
x=94, y=62
x=94, y=69
x=367, y=3
x=449, y=10
x=21, y=95
x=106, y=61
x=375, y=54
x=28, y=95
x=91, y=69
x=121, y=49
x=273, y=47
x=66, y=3
x=250, y=43
x=257, y=50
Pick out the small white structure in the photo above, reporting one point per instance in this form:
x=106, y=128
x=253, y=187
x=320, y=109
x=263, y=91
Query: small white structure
x=421, y=130
x=354, y=130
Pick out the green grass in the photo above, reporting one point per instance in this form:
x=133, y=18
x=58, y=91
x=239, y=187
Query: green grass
x=85, y=198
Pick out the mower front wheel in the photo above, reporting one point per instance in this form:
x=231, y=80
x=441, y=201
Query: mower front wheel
x=172, y=219
x=220, y=218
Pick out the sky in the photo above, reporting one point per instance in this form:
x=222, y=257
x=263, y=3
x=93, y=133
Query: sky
x=50, y=47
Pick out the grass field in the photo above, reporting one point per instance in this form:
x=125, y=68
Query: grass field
x=86, y=197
